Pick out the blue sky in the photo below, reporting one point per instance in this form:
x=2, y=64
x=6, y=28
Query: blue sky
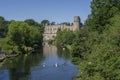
x=53, y=10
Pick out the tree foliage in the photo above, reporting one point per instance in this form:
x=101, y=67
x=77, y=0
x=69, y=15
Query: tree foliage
x=96, y=48
x=101, y=59
x=22, y=37
x=103, y=62
x=44, y=22
x=31, y=22
x=101, y=12
x=64, y=37
x=3, y=27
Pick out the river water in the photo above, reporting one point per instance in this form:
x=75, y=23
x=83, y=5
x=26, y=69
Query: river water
x=51, y=64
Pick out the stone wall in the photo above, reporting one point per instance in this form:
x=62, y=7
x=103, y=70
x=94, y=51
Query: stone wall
x=51, y=30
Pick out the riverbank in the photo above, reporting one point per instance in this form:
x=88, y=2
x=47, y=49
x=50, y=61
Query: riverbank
x=31, y=65
x=2, y=58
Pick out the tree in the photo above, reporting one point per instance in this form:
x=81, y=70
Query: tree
x=2, y=18
x=52, y=23
x=65, y=37
x=102, y=58
x=44, y=22
x=31, y=22
x=22, y=37
x=101, y=12
x=3, y=27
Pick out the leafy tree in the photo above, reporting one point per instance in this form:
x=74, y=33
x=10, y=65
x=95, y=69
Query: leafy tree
x=101, y=61
x=96, y=48
x=22, y=37
x=65, y=37
x=3, y=27
x=52, y=23
x=101, y=12
x=31, y=22
x=66, y=23
x=44, y=22
x=2, y=18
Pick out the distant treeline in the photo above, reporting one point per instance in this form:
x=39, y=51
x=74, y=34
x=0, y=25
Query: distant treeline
x=96, y=47
x=20, y=37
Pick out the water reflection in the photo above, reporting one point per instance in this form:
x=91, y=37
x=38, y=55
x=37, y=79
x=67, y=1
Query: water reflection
x=19, y=68
x=65, y=54
x=53, y=64
x=4, y=75
x=49, y=50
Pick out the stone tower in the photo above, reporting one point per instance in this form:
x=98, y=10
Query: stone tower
x=77, y=22
x=50, y=31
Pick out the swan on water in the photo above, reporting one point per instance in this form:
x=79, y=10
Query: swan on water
x=44, y=65
x=56, y=65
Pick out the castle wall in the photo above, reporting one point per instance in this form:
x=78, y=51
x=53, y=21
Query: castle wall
x=51, y=30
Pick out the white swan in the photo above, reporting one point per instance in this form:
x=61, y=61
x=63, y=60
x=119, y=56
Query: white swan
x=56, y=65
x=44, y=65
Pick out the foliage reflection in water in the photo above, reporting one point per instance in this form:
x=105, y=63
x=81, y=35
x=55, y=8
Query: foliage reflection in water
x=53, y=64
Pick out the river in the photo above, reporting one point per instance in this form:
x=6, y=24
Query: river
x=51, y=64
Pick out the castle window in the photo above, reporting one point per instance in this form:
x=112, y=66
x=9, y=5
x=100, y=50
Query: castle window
x=53, y=36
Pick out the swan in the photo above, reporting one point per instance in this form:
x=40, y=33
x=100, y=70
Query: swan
x=44, y=65
x=56, y=65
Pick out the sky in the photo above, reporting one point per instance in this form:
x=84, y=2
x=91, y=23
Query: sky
x=52, y=10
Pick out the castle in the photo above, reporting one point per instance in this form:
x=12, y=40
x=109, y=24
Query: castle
x=51, y=30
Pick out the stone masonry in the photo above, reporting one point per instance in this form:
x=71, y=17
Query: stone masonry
x=51, y=30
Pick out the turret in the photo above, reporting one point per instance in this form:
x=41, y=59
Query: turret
x=77, y=22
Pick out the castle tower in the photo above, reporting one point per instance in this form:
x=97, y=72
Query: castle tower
x=77, y=22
